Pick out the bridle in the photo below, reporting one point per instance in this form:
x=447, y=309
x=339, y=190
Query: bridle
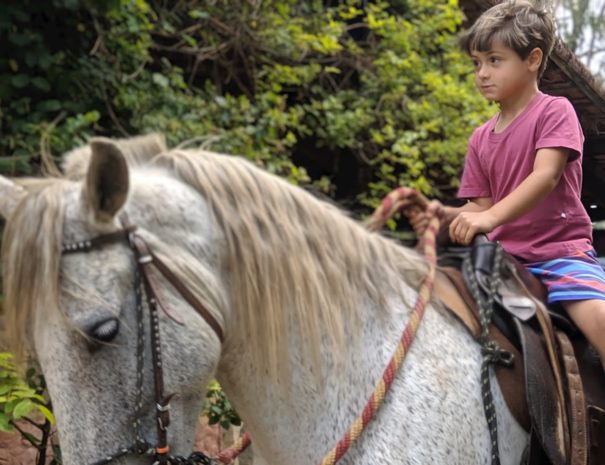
x=146, y=283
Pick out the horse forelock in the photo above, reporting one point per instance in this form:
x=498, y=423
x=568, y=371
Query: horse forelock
x=31, y=253
x=291, y=256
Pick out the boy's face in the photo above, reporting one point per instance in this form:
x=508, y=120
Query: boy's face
x=500, y=73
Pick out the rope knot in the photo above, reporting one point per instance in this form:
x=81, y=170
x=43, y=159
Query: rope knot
x=492, y=353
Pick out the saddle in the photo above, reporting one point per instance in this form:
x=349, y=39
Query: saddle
x=555, y=387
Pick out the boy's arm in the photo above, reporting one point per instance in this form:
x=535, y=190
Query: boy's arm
x=548, y=168
x=478, y=204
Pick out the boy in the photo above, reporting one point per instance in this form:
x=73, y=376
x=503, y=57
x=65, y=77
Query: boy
x=523, y=171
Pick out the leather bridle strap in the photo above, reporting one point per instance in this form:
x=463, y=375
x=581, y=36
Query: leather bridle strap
x=98, y=242
x=128, y=235
x=162, y=407
x=138, y=244
x=145, y=261
x=187, y=295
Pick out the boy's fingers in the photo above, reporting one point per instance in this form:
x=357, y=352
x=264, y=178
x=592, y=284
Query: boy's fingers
x=412, y=211
x=470, y=234
x=434, y=208
x=456, y=232
x=417, y=219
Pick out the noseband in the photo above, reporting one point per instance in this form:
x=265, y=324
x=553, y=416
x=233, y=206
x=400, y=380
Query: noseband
x=146, y=283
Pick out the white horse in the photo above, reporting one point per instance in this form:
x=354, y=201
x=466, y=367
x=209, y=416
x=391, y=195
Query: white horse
x=310, y=303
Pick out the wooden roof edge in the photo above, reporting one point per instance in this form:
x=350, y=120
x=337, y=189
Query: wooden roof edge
x=578, y=73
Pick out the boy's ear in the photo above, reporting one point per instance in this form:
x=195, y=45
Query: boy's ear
x=534, y=59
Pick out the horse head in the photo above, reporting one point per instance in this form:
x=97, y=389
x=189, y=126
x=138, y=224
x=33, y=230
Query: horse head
x=79, y=310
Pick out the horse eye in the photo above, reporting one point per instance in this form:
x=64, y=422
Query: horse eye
x=105, y=331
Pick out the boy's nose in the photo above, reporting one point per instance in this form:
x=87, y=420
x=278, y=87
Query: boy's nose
x=482, y=72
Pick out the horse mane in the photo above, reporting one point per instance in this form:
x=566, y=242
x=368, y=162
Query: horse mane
x=289, y=255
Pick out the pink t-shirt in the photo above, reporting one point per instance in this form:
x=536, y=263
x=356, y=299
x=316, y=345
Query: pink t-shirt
x=496, y=163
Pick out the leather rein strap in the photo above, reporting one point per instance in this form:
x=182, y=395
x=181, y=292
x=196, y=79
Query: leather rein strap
x=150, y=259
x=146, y=260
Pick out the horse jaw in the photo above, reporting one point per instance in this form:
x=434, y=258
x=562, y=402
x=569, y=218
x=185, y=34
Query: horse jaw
x=10, y=195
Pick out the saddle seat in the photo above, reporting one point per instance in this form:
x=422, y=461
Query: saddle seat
x=555, y=387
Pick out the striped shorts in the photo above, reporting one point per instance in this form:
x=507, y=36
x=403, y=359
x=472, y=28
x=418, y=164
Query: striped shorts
x=578, y=277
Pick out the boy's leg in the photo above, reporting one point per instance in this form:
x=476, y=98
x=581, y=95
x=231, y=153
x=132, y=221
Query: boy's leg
x=589, y=317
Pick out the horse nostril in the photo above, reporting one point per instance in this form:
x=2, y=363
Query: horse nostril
x=106, y=330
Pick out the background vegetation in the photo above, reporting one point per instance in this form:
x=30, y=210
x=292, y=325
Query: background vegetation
x=352, y=97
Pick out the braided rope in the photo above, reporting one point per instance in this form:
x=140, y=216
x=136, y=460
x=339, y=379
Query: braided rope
x=228, y=455
x=491, y=351
x=395, y=201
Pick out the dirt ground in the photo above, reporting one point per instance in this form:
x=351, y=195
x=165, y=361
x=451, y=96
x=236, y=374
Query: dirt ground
x=17, y=451
x=209, y=439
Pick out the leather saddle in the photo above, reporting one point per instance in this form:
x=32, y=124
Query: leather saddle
x=555, y=387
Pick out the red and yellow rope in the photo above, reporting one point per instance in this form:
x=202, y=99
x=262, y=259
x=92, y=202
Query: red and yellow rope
x=400, y=198
x=228, y=455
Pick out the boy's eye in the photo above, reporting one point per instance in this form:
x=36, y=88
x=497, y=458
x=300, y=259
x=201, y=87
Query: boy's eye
x=494, y=59
x=475, y=63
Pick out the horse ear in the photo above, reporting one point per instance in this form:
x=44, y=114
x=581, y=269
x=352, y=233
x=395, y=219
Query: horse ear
x=106, y=186
x=10, y=195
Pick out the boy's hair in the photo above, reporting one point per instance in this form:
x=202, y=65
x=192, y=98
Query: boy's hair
x=519, y=25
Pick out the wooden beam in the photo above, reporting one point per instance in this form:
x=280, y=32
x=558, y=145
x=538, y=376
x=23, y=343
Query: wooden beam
x=579, y=81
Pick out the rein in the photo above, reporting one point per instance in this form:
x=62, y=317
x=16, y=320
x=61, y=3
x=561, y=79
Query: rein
x=145, y=283
x=398, y=199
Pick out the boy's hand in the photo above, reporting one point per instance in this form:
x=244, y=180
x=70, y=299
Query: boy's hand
x=419, y=219
x=468, y=224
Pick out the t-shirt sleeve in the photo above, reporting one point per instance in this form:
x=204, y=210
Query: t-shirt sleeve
x=474, y=183
x=560, y=128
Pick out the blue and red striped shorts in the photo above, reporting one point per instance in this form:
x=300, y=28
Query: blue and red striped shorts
x=578, y=277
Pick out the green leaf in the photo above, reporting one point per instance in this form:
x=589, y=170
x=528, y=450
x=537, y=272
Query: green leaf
x=225, y=424
x=4, y=423
x=46, y=412
x=198, y=14
x=20, y=80
x=22, y=409
x=49, y=106
x=20, y=39
x=41, y=83
x=161, y=80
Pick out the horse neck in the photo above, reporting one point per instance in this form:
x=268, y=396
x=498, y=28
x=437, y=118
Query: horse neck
x=288, y=422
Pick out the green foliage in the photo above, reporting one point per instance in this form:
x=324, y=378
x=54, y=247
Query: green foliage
x=218, y=408
x=355, y=98
x=19, y=397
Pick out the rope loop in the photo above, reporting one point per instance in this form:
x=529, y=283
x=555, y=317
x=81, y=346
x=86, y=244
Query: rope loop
x=493, y=353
